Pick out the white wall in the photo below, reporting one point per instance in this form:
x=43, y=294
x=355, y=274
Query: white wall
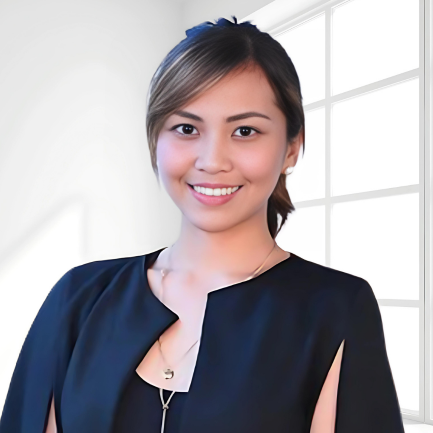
x=73, y=81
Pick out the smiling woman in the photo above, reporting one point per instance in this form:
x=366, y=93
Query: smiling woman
x=223, y=331
x=248, y=150
x=241, y=93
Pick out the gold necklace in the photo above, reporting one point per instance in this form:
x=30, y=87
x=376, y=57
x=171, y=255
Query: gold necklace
x=168, y=373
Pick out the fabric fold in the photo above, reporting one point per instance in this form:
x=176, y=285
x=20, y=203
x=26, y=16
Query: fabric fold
x=367, y=399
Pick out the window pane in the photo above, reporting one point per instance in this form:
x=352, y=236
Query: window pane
x=372, y=40
x=304, y=233
x=305, y=44
x=307, y=181
x=401, y=328
x=375, y=140
x=378, y=240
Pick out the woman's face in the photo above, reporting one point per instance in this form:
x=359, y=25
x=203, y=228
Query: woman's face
x=232, y=134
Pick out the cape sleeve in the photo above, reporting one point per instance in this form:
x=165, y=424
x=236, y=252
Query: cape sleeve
x=367, y=399
x=28, y=400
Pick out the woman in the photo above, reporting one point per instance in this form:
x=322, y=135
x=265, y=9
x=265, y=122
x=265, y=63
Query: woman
x=223, y=331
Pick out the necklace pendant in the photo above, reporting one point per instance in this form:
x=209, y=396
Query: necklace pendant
x=168, y=373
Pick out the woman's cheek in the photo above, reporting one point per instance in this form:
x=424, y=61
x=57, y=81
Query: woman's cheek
x=172, y=160
x=260, y=170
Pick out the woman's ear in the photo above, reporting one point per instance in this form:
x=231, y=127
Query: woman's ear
x=292, y=153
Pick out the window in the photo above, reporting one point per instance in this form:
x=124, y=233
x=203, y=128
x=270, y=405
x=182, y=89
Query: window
x=361, y=190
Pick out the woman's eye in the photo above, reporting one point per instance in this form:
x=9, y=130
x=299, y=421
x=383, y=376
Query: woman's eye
x=245, y=131
x=185, y=129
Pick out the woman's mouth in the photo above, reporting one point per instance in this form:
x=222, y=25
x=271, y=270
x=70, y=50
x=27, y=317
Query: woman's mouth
x=214, y=196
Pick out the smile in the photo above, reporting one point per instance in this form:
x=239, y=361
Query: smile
x=214, y=196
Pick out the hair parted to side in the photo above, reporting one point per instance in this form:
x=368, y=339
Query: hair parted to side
x=208, y=53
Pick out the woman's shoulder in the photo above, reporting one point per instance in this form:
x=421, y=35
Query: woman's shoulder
x=73, y=296
x=93, y=277
x=100, y=271
x=326, y=282
x=339, y=299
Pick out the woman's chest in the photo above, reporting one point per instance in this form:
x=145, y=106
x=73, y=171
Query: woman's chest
x=171, y=361
x=260, y=364
x=262, y=369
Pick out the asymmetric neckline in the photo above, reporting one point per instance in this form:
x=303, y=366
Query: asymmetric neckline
x=152, y=257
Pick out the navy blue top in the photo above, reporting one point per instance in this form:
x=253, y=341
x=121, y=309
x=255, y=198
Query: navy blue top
x=140, y=408
x=266, y=348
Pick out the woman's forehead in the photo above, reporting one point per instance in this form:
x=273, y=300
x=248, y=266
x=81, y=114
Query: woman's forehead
x=244, y=91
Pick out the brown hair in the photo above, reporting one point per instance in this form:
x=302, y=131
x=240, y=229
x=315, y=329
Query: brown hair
x=208, y=53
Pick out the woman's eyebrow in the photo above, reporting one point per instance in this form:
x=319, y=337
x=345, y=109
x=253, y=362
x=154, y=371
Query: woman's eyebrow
x=229, y=119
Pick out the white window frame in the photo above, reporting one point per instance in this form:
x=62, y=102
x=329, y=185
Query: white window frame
x=424, y=188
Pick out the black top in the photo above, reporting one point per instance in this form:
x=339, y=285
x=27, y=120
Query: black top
x=267, y=345
x=140, y=408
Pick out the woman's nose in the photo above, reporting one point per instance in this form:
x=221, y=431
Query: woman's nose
x=213, y=154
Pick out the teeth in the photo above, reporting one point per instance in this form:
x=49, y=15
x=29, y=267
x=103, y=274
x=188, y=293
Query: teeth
x=215, y=191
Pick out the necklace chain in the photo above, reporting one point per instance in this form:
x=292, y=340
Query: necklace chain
x=168, y=373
